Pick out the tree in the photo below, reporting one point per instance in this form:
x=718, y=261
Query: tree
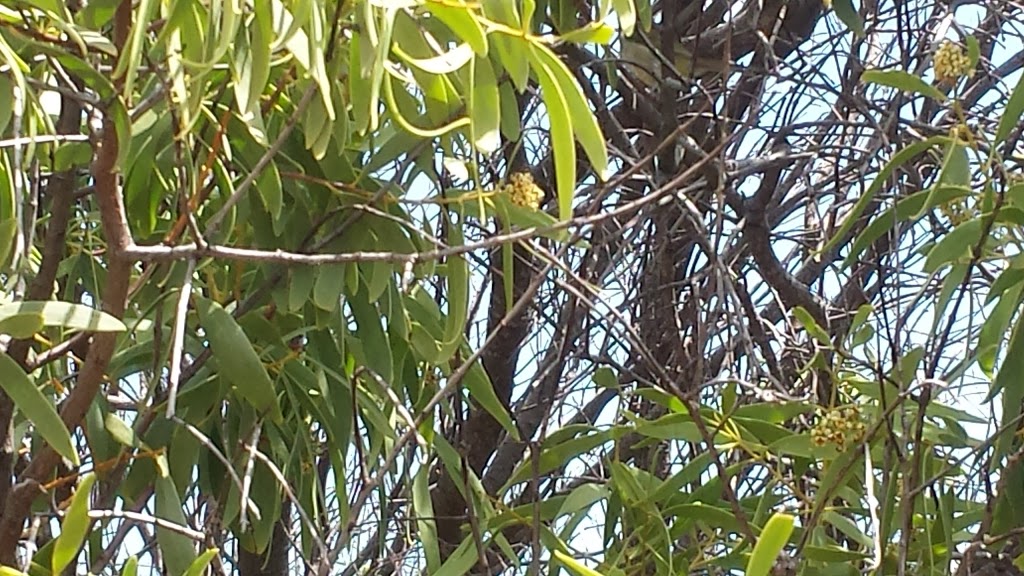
x=499, y=287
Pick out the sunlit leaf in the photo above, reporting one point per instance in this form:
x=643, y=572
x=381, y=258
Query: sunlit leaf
x=65, y=315
x=75, y=526
x=769, y=544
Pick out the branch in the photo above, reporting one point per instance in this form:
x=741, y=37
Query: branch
x=792, y=292
x=18, y=502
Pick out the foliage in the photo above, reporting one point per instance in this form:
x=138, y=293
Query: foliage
x=384, y=286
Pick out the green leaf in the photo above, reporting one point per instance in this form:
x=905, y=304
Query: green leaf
x=771, y=542
x=626, y=11
x=131, y=58
x=973, y=51
x=865, y=200
x=904, y=81
x=130, y=567
x=832, y=554
x=956, y=169
x=561, y=131
x=36, y=407
x=426, y=526
x=22, y=325
x=302, y=281
x=592, y=33
x=177, y=549
x=72, y=155
x=848, y=527
x=8, y=229
x=574, y=565
x=461, y=20
x=959, y=243
x=458, y=292
x=327, y=290
x=1008, y=380
x=511, y=121
x=480, y=389
x=65, y=315
x=812, y=327
x=237, y=359
x=198, y=567
x=485, y=110
x=376, y=348
x=849, y=15
x=461, y=560
x=993, y=331
x=584, y=124
x=1012, y=115
x=269, y=185
x=75, y=526
x=912, y=208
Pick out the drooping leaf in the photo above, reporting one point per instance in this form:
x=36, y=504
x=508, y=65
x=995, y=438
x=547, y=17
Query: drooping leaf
x=849, y=15
x=485, y=109
x=238, y=360
x=37, y=408
x=1012, y=114
x=178, y=550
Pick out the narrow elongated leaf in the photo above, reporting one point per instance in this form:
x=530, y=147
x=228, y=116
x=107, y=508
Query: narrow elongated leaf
x=848, y=15
x=575, y=566
x=1012, y=114
x=904, y=81
x=461, y=561
x=22, y=325
x=769, y=544
x=485, y=112
x=177, y=549
x=460, y=19
x=561, y=132
x=36, y=407
x=626, y=11
x=198, y=567
x=584, y=124
x=128, y=63
x=1008, y=381
x=131, y=566
x=75, y=526
x=8, y=229
x=238, y=361
x=427, y=528
x=458, y=293
x=65, y=315
x=956, y=245
x=850, y=220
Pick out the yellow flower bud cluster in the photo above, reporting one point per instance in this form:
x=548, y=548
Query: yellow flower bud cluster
x=841, y=426
x=951, y=63
x=523, y=191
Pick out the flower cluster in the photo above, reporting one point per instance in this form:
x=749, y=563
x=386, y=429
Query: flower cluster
x=522, y=190
x=951, y=63
x=842, y=427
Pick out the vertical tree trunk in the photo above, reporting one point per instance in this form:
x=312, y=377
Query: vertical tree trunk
x=274, y=560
